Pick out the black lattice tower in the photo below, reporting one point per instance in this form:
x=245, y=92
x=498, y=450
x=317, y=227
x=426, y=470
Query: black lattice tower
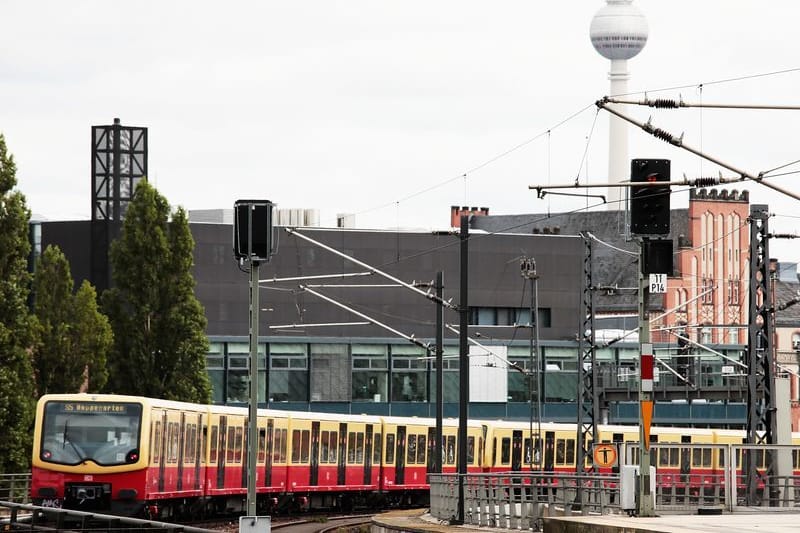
x=588, y=395
x=761, y=420
x=119, y=163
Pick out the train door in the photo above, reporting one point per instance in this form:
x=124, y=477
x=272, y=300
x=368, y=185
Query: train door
x=223, y=435
x=549, y=451
x=432, y=444
x=368, y=455
x=340, y=466
x=163, y=445
x=516, y=450
x=181, y=448
x=686, y=458
x=314, y=475
x=400, y=457
x=618, y=439
x=200, y=438
x=268, y=445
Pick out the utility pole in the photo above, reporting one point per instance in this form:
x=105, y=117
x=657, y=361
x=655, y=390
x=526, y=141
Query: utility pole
x=534, y=374
x=439, y=371
x=463, y=369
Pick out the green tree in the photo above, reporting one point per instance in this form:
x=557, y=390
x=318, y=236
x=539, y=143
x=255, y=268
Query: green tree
x=75, y=336
x=160, y=345
x=18, y=328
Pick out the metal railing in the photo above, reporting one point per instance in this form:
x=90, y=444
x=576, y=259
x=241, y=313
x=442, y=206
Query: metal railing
x=15, y=487
x=520, y=500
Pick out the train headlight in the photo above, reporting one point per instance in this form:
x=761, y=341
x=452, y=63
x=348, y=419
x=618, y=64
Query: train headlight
x=47, y=455
x=132, y=456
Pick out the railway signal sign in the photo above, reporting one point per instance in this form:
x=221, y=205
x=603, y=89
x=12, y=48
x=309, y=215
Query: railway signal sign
x=605, y=455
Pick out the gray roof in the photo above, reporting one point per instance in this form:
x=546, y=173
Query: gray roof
x=613, y=269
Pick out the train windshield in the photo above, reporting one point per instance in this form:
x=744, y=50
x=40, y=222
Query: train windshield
x=104, y=432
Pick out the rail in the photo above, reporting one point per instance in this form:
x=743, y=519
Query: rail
x=18, y=516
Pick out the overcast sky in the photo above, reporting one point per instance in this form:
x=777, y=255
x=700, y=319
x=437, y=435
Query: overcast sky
x=380, y=108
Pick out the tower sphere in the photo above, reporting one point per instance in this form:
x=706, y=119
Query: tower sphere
x=618, y=30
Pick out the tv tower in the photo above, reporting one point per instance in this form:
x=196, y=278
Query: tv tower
x=618, y=32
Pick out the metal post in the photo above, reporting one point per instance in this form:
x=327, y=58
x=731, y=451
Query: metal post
x=252, y=434
x=439, y=372
x=463, y=370
x=644, y=502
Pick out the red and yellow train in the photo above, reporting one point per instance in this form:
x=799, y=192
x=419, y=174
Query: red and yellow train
x=139, y=456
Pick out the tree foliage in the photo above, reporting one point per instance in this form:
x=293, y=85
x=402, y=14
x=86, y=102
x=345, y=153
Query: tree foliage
x=18, y=328
x=160, y=344
x=75, y=336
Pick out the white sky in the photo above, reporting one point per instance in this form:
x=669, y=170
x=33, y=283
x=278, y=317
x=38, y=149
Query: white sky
x=380, y=107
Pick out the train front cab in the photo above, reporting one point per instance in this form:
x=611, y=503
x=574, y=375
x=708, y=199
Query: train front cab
x=334, y=460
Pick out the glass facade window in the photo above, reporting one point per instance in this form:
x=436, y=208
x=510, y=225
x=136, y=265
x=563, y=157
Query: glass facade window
x=409, y=373
x=236, y=384
x=450, y=378
x=330, y=373
x=520, y=357
x=288, y=372
x=508, y=316
x=215, y=365
x=370, y=372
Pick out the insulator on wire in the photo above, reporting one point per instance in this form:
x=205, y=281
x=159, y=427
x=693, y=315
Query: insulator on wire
x=663, y=103
x=663, y=135
x=706, y=182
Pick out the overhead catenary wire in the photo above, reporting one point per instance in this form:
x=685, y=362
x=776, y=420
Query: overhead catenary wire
x=678, y=142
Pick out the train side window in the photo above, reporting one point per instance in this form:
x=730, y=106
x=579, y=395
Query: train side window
x=190, y=439
x=663, y=456
x=281, y=444
x=707, y=457
x=351, y=447
x=333, y=447
x=421, y=449
x=494, y=451
x=323, y=447
x=570, y=451
x=470, y=450
x=451, y=450
x=722, y=457
x=238, y=451
x=377, y=448
x=795, y=458
x=359, y=447
x=156, y=445
x=214, y=438
x=229, y=445
x=173, y=442
x=305, y=447
x=697, y=457
x=390, y=448
x=262, y=445
x=411, y=450
x=561, y=452
x=296, y=445
x=505, y=451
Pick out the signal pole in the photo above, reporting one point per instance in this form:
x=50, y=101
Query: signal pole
x=644, y=503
